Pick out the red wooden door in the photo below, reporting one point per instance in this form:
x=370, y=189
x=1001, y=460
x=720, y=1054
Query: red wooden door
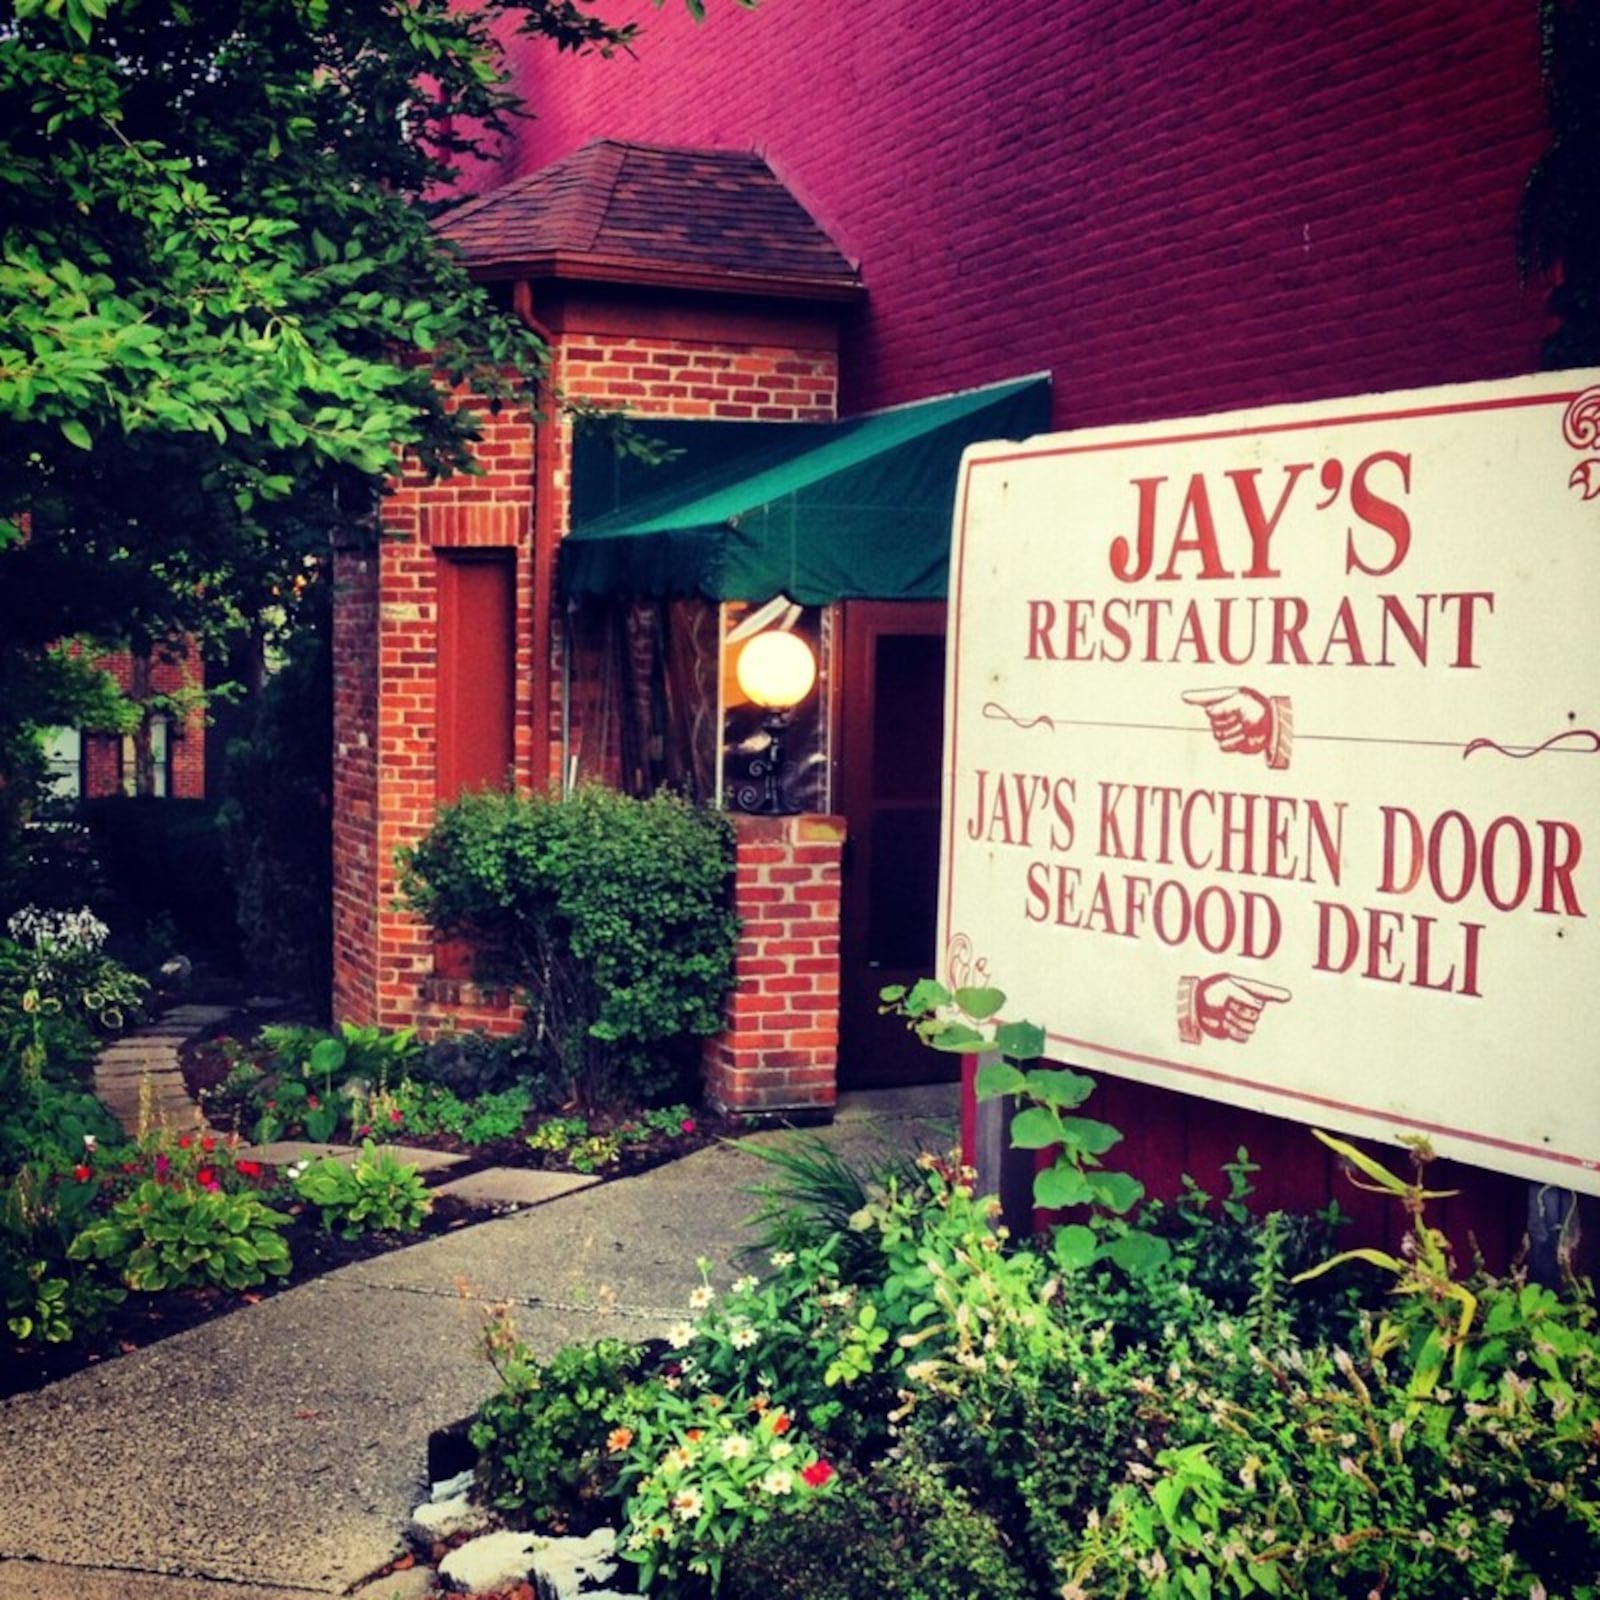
x=890, y=758
x=477, y=663
x=476, y=692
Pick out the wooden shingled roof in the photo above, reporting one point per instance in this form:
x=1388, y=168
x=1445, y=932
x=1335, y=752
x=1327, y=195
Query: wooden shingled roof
x=633, y=213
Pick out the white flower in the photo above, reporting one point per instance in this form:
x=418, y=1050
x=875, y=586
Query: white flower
x=779, y=1448
x=702, y=1297
x=743, y=1337
x=746, y=1285
x=735, y=1447
x=780, y=1480
x=782, y=1258
x=686, y=1504
x=89, y=1143
x=680, y=1334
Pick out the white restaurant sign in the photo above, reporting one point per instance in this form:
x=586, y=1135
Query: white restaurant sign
x=1273, y=760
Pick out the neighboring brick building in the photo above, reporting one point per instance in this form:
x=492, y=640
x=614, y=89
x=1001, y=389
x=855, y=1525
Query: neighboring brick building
x=1169, y=211
x=165, y=757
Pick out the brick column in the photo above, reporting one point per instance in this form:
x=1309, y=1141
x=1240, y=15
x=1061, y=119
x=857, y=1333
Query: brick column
x=780, y=1049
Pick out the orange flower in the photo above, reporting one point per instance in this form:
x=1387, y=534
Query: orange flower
x=695, y=1435
x=619, y=1439
x=780, y=1422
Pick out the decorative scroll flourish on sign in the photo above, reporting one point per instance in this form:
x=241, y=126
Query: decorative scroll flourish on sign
x=1587, y=743
x=1581, y=429
x=964, y=968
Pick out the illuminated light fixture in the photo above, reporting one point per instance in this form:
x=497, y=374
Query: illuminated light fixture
x=776, y=671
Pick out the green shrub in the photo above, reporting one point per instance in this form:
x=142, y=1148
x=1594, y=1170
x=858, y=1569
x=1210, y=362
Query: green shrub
x=377, y=1192
x=548, y=1439
x=609, y=915
x=900, y=1533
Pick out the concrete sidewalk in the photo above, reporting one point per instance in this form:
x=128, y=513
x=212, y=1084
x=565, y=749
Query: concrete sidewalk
x=279, y=1451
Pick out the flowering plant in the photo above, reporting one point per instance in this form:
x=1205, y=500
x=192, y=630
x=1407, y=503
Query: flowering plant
x=700, y=1472
x=186, y=1211
x=70, y=970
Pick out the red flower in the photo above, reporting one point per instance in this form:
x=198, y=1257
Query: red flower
x=184, y=1141
x=208, y=1144
x=397, y=1115
x=207, y=1179
x=312, y=1102
x=248, y=1169
x=816, y=1474
x=82, y=1173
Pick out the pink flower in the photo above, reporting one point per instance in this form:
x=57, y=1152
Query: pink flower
x=163, y=1167
x=687, y=1125
x=397, y=1115
x=312, y=1103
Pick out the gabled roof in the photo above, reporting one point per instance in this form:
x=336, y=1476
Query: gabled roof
x=636, y=213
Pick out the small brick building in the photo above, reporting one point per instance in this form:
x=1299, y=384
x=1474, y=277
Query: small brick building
x=677, y=285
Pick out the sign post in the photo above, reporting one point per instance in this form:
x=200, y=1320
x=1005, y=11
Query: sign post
x=1273, y=760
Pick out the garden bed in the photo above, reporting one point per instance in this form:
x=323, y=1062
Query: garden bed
x=604, y=1146
x=605, y=1143
x=143, y=1319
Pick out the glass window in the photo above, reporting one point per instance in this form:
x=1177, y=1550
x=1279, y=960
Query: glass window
x=63, y=754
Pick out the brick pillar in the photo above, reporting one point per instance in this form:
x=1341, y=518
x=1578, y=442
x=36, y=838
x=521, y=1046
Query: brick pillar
x=780, y=1049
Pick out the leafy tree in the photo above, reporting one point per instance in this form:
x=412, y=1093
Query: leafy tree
x=222, y=309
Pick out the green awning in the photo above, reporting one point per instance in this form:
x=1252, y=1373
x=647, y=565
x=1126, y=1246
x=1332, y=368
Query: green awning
x=856, y=510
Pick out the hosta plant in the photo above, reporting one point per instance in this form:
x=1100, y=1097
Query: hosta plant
x=377, y=1192
x=164, y=1236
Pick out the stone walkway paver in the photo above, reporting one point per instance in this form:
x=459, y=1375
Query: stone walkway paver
x=149, y=1057
x=520, y=1186
x=283, y=1152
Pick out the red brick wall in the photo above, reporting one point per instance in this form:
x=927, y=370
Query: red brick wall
x=385, y=727
x=781, y=1047
x=1175, y=209
x=723, y=362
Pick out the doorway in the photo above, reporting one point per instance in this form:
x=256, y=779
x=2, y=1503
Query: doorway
x=891, y=720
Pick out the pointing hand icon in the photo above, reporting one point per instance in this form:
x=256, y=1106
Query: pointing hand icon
x=1224, y=1006
x=1245, y=722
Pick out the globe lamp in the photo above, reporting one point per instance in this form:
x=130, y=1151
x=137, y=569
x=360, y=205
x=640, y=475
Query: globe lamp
x=775, y=671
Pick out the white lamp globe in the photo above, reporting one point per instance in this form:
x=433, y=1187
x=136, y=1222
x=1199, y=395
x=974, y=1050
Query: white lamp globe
x=776, y=670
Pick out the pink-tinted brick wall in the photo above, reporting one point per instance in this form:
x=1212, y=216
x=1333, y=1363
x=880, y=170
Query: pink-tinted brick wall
x=1174, y=208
